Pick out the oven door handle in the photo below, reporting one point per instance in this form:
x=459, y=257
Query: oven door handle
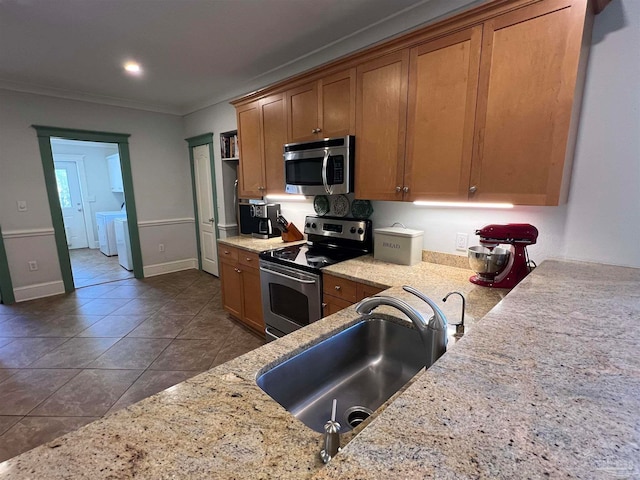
x=325, y=161
x=273, y=272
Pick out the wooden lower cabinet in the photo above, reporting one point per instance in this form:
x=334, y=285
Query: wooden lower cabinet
x=240, y=279
x=339, y=293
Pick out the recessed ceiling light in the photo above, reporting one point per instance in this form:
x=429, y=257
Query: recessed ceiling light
x=133, y=68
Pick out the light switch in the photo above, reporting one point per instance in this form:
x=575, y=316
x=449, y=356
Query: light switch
x=22, y=205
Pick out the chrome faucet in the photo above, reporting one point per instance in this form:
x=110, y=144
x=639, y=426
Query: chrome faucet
x=459, y=326
x=432, y=332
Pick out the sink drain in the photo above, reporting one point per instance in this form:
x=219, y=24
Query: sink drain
x=356, y=415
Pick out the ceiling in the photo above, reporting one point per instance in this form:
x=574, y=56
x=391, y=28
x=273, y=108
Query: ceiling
x=194, y=53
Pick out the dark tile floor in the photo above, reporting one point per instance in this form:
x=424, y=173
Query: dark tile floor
x=68, y=360
x=92, y=267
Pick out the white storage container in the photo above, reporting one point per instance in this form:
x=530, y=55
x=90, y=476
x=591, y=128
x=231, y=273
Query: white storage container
x=398, y=245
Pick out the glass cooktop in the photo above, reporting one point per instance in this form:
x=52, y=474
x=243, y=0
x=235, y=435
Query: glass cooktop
x=310, y=257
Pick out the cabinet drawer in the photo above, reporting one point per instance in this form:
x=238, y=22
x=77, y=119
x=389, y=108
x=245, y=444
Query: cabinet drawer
x=339, y=288
x=364, y=291
x=228, y=254
x=248, y=259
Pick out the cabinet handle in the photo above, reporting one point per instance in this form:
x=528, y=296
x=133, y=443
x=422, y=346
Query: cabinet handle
x=337, y=287
x=405, y=189
x=473, y=189
x=318, y=130
x=398, y=189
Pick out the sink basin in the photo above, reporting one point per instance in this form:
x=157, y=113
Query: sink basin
x=361, y=367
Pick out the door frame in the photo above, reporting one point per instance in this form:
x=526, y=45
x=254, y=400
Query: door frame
x=6, y=286
x=44, y=134
x=193, y=142
x=84, y=189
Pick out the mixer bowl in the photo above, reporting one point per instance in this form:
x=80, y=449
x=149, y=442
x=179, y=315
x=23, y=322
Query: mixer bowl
x=488, y=263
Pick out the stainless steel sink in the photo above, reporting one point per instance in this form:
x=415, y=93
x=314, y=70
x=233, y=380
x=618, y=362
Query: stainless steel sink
x=362, y=367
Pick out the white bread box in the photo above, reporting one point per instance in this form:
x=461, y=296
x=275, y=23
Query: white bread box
x=398, y=245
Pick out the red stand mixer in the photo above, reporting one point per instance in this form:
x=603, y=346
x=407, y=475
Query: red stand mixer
x=502, y=267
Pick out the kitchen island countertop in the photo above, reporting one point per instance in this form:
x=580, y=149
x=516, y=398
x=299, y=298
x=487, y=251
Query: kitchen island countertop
x=546, y=384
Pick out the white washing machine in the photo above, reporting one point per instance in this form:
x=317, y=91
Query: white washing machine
x=106, y=234
x=123, y=244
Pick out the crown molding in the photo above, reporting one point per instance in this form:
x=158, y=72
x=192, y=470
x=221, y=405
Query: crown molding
x=87, y=97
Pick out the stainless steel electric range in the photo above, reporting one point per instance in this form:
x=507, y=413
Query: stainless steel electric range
x=291, y=277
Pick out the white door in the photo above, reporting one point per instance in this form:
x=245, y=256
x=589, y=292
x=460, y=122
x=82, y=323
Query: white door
x=71, y=204
x=206, y=215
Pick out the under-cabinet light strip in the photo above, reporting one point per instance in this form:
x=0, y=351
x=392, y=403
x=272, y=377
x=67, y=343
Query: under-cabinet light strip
x=462, y=204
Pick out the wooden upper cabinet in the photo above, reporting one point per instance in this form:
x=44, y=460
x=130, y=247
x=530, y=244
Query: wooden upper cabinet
x=262, y=131
x=250, y=181
x=302, y=113
x=443, y=82
x=274, y=136
x=337, y=100
x=528, y=76
x=381, y=116
x=323, y=108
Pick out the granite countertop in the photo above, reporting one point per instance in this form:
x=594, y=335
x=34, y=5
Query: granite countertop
x=256, y=245
x=546, y=384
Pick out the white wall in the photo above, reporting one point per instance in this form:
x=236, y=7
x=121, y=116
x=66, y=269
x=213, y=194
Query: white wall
x=160, y=170
x=601, y=221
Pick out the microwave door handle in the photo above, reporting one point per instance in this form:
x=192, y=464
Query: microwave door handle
x=325, y=161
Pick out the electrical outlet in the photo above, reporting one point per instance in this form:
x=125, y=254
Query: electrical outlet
x=33, y=266
x=461, y=241
x=161, y=247
x=22, y=205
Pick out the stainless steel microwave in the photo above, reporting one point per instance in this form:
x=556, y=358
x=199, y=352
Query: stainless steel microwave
x=320, y=167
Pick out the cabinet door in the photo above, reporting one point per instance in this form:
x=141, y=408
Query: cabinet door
x=338, y=104
x=528, y=76
x=333, y=305
x=443, y=83
x=381, y=117
x=252, y=299
x=250, y=138
x=231, y=282
x=274, y=136
x=302, y=112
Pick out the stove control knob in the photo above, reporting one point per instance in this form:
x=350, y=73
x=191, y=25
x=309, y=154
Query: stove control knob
x=353, y=230
x=308, y=225
x=360, y=231
x=313, y=225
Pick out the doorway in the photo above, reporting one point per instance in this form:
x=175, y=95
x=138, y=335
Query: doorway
x=91, y=195
x=204, y=201
x=61, y=193
x=6, y=286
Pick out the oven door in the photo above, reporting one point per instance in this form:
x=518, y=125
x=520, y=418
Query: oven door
x=291, y=299
x=317, y=172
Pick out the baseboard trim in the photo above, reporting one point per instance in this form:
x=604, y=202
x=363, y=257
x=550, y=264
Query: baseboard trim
x=39, y=290
x=169, y=267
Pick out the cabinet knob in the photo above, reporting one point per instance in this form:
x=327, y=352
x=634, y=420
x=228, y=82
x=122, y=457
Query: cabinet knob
x=473, y=189
x=324, y=305
x=398, y=189
x=238, y=270
x=227, y=252
x=337, y=287
x=248, y=259
x=405, y=189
